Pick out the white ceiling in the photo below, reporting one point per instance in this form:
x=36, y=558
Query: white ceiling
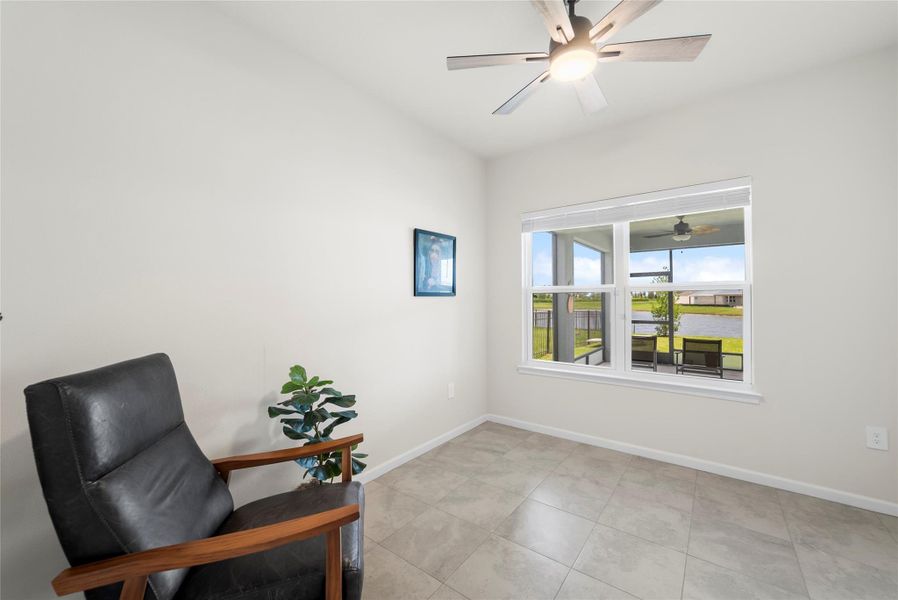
x=396, y=51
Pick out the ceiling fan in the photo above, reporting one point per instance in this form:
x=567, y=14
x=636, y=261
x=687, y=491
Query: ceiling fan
x=683, y=232
x=574, y=50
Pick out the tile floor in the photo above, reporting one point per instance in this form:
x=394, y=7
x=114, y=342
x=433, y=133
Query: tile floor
x=500, y=512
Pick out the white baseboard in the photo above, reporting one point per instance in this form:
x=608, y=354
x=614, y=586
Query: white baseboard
x=417, y=451
x=791, y=485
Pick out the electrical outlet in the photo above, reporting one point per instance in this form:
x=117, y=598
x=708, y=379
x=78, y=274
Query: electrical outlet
x=450, y=390
x=877, y=438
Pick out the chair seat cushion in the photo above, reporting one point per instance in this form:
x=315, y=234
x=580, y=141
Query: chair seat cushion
x=294, y=571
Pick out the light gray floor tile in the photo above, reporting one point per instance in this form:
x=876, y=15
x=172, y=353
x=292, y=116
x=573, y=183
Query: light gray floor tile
x=648, y=464
x=596, y=469
x=388, y=577
x=673, y=491
x=745, y=488
x=460, y=458
x=500, y=569
x=891, y=523
x=573, y=494
x=841, y=530
x=512, y=475
x=423, y=480
x=447, y=593
x=541, y=450
x=436, y=542
x=764, y=557
x=372, y=485
x=725, y=505
x=632, y=564
x=707, y=581
x=578, y=586
x=547, y=530
x=603, y=453
x=490, y=441
x=515, y=431
x=648, y=519
x=387, y=509
x=834, y=578
x=482, y=504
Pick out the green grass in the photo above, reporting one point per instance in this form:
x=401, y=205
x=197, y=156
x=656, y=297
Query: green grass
x=691, y=309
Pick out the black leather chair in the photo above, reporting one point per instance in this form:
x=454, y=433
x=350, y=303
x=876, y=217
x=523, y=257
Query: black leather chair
x=142, y=513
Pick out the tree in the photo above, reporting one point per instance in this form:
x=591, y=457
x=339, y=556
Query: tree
x=660, y=308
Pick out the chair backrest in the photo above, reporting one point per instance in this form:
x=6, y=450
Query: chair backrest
x=644, y=347
x=702, y=353
x=119, y=468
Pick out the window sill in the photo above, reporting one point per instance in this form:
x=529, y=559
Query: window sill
x=723, y=390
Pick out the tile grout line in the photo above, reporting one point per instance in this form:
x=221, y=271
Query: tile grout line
x=804, y=580
x=689, y=535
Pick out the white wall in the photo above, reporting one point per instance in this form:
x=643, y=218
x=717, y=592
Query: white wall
x=821, y=149
x=173, y=183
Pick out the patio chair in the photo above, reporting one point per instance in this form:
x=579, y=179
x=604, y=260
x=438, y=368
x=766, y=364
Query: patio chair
x=142, y=514
x=702, y=357
x=645, y=351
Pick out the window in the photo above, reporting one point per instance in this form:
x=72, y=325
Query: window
x=651, y=290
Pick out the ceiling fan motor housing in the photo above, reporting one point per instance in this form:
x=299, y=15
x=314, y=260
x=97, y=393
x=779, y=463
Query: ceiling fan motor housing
x=581, y=26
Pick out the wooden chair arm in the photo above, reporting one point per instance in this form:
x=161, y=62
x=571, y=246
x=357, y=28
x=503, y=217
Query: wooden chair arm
x=134, y=568
x=224, y=466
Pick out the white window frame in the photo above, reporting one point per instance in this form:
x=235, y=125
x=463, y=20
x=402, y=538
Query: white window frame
x=619, y=370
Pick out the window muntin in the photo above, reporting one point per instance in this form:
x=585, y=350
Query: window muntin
x=709, y=270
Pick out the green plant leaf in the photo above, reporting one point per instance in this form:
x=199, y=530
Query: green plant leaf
x=307, y=462
x=344, y=401
x=330, y=428
x=328, y=391
x=357, y=466
x=324, y=382
x=359, y=455
x=348, y=414
x=306, y=397
x=297, y=374
x=313, y=381
x=294, y=435
x=290, y=387
x=274, y=411
x=298, y=425
x=322, y=413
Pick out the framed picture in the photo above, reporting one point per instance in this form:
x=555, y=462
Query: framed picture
x=434, y=263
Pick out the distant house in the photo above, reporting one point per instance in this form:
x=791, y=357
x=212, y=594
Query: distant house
x=706, y=298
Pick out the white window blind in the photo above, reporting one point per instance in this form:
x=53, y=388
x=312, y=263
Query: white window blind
x=686, y=200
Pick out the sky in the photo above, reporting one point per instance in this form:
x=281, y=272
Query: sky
x=691, y=265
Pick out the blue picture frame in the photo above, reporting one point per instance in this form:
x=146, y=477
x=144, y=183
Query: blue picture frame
x=434, y=263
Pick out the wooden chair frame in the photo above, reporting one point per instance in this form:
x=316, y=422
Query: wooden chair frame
x=134, y=568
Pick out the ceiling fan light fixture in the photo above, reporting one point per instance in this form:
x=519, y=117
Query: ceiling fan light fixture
x=682, y=237
x=571, y=63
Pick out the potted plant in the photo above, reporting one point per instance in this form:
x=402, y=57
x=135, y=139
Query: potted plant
x=306, y=415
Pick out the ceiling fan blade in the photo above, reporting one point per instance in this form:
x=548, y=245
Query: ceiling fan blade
x=555, y=16
x=493, y=60
x=590, y=95
x=704, y=229
x=659, y=235
x=665, y=50
x=516, y=100
x=625, y=12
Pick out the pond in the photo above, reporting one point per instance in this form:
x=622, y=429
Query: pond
x=690, y=324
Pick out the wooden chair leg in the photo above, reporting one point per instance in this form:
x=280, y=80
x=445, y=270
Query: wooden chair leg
x=134, y=588
x=333, y=571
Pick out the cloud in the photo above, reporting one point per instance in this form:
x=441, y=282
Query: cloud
x=709, y=268
x=587, y=271
x=542, y=269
